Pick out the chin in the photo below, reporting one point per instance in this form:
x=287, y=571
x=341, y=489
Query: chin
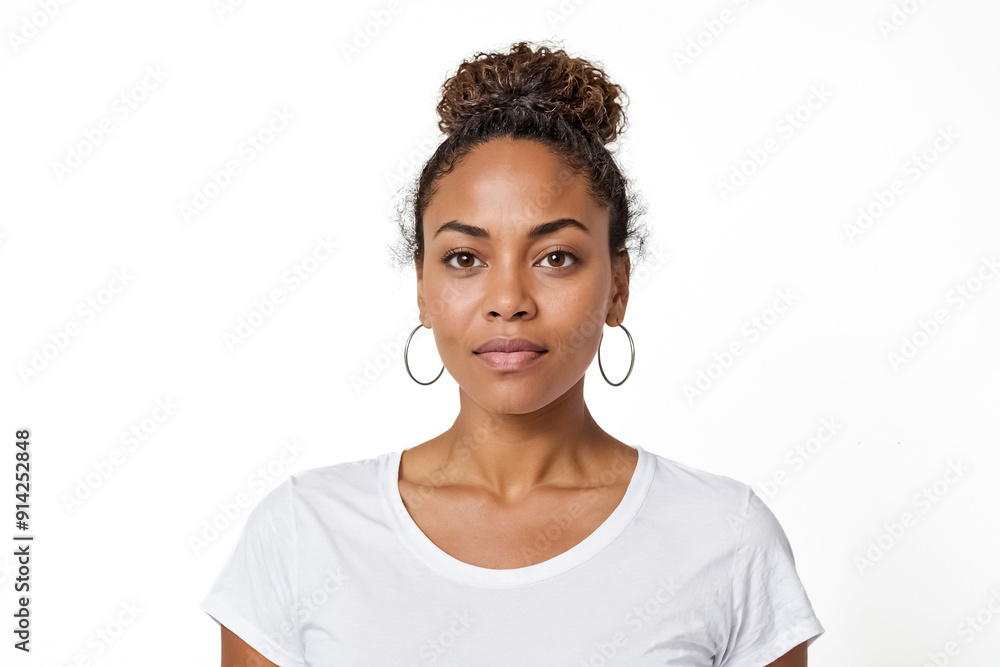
x=513, y=398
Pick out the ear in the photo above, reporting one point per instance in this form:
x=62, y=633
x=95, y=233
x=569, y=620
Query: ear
x=619, y=294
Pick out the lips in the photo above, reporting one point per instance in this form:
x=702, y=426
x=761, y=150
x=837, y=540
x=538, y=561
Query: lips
x=509, y=345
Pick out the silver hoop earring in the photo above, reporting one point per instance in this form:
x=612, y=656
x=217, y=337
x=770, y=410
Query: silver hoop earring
x=631, y=363
x=406, y=361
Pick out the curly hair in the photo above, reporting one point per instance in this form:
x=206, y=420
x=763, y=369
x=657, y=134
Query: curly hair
x=567, y=104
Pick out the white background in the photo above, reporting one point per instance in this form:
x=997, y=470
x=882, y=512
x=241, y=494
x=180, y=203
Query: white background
x=361, y=126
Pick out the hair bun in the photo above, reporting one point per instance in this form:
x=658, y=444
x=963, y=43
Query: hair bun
x=544, y=80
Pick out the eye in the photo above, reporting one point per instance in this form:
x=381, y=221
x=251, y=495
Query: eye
x=564, y=254
x=463, y=255
x=466, y=259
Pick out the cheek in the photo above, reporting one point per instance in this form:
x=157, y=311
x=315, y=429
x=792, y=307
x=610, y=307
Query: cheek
x=453, y=314
x=448, y=304
x=577, y=324
x=457, y=306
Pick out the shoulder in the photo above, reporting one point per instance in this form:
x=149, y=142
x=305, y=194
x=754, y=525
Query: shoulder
x=335, y=482
x=698, y=487
x=345, y=472
x=713, y=501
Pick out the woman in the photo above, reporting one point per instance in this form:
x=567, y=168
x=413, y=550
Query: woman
x=524, y=534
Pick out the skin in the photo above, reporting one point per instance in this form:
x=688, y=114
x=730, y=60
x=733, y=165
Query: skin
x=539, y=430
x=237, y=653
x=540, y=438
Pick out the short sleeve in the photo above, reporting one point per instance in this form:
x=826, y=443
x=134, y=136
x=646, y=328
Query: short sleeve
x=771, y=613
x=254, y=595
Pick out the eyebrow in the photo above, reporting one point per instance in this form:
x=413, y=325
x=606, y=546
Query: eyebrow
x=535, y=232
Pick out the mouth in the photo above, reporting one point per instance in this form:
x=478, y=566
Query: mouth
x=509, y=345
x=510, y=361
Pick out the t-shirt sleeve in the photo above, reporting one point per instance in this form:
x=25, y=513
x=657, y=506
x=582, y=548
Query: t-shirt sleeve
x=771, y=612
x=255, y=593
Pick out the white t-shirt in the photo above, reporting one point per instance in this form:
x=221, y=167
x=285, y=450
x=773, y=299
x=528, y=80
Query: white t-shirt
x=691, y=569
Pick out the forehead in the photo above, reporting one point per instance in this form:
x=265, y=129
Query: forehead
x=510, y=184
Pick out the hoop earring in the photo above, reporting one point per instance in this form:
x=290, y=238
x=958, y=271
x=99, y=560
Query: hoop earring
x=631, y=363
x=406, y=361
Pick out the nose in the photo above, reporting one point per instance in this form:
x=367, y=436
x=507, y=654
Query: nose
x=508, y=292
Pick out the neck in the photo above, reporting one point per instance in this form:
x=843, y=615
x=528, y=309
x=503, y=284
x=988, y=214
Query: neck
x=510, y=455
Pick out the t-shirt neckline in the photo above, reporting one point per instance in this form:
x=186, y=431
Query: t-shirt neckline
x=453, y=568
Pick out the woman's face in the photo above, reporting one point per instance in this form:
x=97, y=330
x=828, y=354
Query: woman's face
x=486, y=275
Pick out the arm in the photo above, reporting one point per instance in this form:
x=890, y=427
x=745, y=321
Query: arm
x=237, y=653
x=794, y=658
